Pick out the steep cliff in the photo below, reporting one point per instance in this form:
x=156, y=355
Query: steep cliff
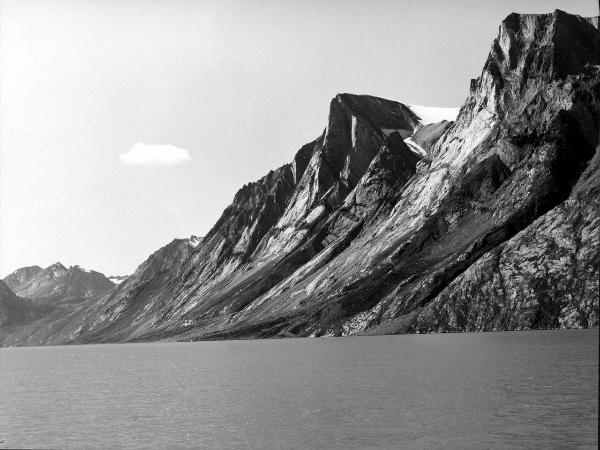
x=546, y=276
x=389, y=223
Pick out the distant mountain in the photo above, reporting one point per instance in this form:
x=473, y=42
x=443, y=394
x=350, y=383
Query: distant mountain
x=38, y=299
x=398, y=220
x=56, y=282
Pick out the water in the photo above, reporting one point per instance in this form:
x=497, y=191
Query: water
x=492, y=390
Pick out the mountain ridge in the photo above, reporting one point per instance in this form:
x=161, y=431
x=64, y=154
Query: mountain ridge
x=386, y=224
x=56, y=282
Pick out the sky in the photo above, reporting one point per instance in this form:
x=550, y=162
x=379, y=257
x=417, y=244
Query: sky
x=126, y=124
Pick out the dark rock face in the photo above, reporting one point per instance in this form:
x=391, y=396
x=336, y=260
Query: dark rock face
x=17, y=312
x=491, y=225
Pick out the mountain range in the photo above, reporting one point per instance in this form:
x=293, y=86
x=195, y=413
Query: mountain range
x=30, y=294
x=394, y=219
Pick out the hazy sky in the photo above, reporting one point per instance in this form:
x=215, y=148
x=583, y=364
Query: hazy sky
x=125, y=124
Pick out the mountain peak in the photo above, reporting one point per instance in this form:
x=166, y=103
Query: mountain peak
x=56, y=282
x=194, y=241
x=380, y=112
x=532, y=51
x=56, y=269
x=546, y=45
x=78, y=268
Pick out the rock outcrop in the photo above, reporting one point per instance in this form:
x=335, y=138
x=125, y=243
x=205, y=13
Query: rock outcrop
x=386, y=223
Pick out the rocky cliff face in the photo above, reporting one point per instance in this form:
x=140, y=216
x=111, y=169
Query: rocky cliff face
x=388, y=224
x=546, y=276
x=312, y=201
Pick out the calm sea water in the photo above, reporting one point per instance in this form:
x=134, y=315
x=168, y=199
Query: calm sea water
x=484, y=390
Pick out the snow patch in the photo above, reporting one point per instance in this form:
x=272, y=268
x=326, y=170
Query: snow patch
x=415, y=147
x=194, y=241
x=433, y=114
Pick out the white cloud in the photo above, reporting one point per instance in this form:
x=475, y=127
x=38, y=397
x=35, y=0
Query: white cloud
x=155, y=154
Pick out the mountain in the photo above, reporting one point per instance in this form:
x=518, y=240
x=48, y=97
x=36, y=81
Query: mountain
x=17, y=312
x=56, y=282
x=40, y=301
x=21, y=276
x=395, y=219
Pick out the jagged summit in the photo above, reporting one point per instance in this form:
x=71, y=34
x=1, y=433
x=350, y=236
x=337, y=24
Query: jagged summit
x=535, y=49
x=56, y=268
x=195, y=240
x=386, y=115
x=57, y=282
x=548, y=45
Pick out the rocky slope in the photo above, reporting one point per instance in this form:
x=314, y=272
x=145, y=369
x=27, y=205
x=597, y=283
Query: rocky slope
x=387, y=223
x=21, y=276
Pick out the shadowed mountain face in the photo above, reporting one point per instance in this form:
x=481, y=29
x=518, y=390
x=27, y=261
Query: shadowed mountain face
x=385, y=224
x=15, y=310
